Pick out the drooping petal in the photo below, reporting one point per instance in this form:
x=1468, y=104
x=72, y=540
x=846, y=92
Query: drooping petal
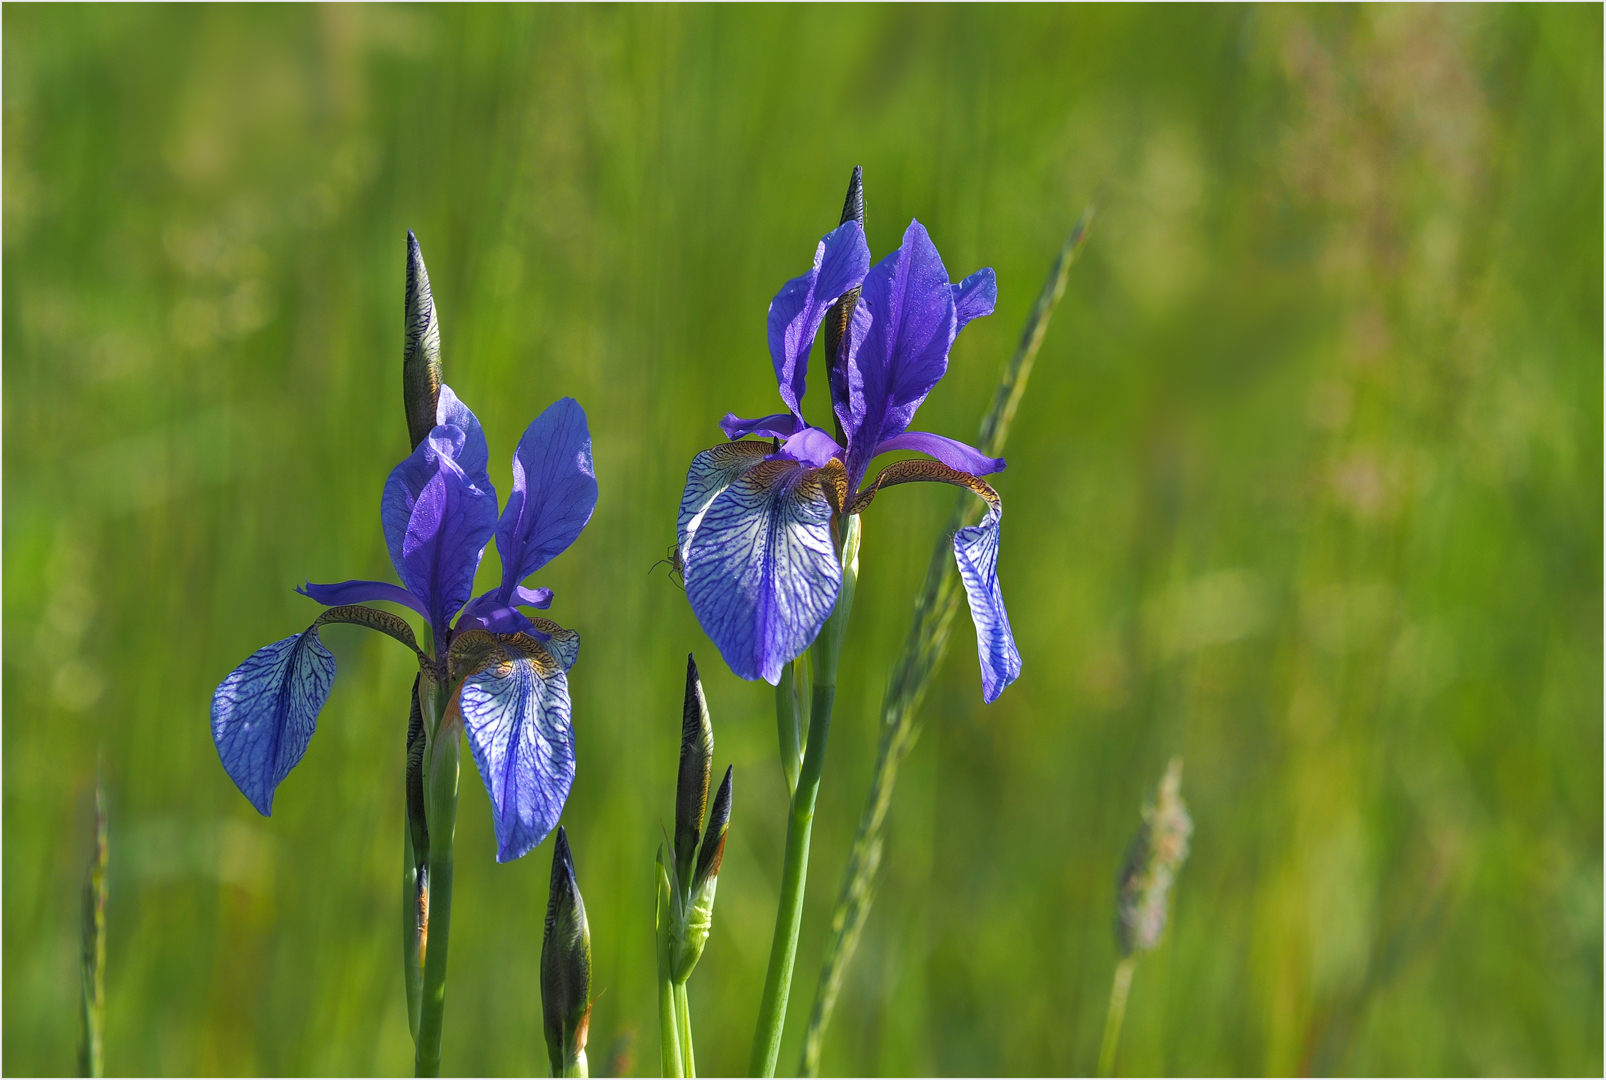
x=951, y=452
x=562, y=643
x=438, y=519
x=264, y=713
x=976, y=552
x=840, y=262
x=760, y=569
x=515, y=709
x=554, y=493
x=711, y=472
x=359, y=592
x=974, y=297
x=905, y=350
x=774, y=426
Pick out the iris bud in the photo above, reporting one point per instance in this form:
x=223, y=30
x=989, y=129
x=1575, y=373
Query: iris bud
x=421, y=349
x=697, y=917
x=696, y=763
x=840, y=317
x=1157, y=853
x=566, y=967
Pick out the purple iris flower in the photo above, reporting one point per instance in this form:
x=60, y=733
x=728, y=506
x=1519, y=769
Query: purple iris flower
x=507, y=672
x=755, y=526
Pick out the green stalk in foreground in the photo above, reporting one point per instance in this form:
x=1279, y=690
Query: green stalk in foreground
x=825, y=652
x=442, y=757
x=1117, y=1013
x=922, y=654
x=93, y=970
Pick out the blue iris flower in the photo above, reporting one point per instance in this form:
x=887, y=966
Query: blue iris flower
x=508, y=671
x=755, y=528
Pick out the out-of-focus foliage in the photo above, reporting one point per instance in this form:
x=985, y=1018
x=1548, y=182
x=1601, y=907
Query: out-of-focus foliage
x=1306, y=488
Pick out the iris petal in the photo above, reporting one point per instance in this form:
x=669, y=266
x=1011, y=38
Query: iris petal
x=711, y=472
x=840, y=262
x=951, y=452
x=976, y=552
x=554, y=493
x=974, y=297
x=437, y=520
x=515, y=709
x=264, y=713
x=760, y=568
x=358, y=592
x=774, y=426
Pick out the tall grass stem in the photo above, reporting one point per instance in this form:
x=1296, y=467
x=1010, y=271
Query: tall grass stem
x=92, y=1053
x=1117, y=1014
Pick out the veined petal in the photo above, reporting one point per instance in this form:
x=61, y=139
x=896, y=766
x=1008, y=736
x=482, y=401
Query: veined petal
x=563, y=644
x=359, y=592
x=774, y=426
x=905, y=350
x=515, y=708
x=951, y=452
x=554, y=493
x=840, y=262
x=974, y=297
x=265, y=711
x=438, y=519
x=760, y=568
x=711, y=472
x=976, y=552
x=471, y=455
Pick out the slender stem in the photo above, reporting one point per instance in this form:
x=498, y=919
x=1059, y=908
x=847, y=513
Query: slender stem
x=800, y=823
x=93, y=972
x=668, y=1024
x=923, y=652
x=444, y=756
x=1117, y=1013
x=683, y=1015
x=412, y=974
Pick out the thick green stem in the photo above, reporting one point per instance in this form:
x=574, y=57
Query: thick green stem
x=826, y=651
x=443, y=756
x=683, y=1016
x=668, y=1025
x=412, y=974
x=1117, y=1013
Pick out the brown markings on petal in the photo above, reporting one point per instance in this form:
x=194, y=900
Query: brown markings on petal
x=920, y=469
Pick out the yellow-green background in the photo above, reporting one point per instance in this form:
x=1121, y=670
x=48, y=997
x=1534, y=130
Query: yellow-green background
x=1307, y=488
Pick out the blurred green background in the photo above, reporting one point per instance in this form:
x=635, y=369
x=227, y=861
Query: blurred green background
x=1306, y=488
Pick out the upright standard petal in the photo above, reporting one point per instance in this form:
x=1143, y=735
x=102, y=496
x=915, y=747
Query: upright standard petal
x=554, y=493
x=760, y=568
x=840, y=262
x=437, y=521
x=265, y=710
x=905, y=350
x=976, y=552
x=471, y=455
x=974, y=297
x=515, y=707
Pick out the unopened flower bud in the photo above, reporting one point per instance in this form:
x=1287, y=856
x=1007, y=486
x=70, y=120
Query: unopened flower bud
x=697, y=916
x=421, y=349
x=1157, y=853
x=840, y=317
x=696, y=763
x=566, y=967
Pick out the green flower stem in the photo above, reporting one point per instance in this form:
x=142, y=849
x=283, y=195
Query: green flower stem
x=794, y=872
x=443, y=757
x=683, y=1015
x=922, y=654
x=411, y=972
x=668, y=1024
x=577, y=1066
x=1117, y=1013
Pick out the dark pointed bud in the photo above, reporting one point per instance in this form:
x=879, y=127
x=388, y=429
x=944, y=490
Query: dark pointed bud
x=696, y=763
x=565, y=967
x=1157, y=853
x=713, y=852
x=421, y=349
x=840, y=317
